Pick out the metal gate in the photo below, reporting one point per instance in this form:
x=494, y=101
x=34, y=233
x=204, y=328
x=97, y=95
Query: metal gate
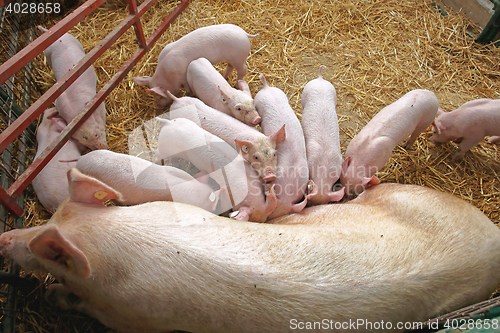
x=22, y=103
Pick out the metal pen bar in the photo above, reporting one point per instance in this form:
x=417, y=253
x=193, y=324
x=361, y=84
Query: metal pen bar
x=21, y=183
x=58, y=88
x=139, y=33
x=18, y=61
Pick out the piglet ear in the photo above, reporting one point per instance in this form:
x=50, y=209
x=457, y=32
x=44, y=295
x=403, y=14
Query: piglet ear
x=59, y=124
x=142, y=80
x=51, y=247
x=157, y=91
x=51, y=113
x=337, y=195
x=86, y=189
x=345, y=165
x=440, y=111
x=366, y=182
x=437, y=126
x=223, y=96
x=242, y=146
x=298, y=207
x=244, y=87
x=279, y=136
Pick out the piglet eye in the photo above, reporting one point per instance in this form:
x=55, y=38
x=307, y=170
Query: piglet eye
x=239, y=109
x=256, y=157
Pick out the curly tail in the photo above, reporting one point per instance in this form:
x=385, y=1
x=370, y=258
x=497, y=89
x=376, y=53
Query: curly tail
x=320, y=71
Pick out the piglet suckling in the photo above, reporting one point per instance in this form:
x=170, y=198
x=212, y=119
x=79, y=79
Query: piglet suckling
x=141, y=181
x=259, y=198
x=292, y=171
x=51, y=184
x=182, y=138
x=321, y=133
x=468, y=125
x=62, y=56
x=371, y=148
x=397, y=254
x=250, y=199
x=217, y=43
x=209, y=85
x=258, y=149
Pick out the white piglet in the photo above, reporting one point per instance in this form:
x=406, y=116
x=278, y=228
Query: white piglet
x=182, y=138
x=258, y=149
x=207, y=84
x=141, y=181
x=62, y=56
x=321, y=133
x=51, y=184
x=217, y=43
x=468, y=125
x=292, y=171
x=371, y=148
x=251, y=200
x=397, y=254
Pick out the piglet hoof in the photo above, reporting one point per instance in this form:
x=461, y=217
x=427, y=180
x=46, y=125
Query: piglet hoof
x=311, y=188
x=242, y=215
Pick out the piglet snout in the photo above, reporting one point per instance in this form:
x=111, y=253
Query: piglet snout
x=5, y=243
x=100, y=143
x=256, y=120
x=269, y=177
x=434, y=141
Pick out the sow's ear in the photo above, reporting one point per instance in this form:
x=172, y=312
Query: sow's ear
x=52, y=247
x=86, y=189
x=345, y=165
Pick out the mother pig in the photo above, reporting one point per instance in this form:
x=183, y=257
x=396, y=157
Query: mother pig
x=397, y=254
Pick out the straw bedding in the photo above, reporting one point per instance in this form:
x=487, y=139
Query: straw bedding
x=375, y=52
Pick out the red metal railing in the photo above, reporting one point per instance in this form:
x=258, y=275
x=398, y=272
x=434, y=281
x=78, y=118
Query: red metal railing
x=10, y=67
